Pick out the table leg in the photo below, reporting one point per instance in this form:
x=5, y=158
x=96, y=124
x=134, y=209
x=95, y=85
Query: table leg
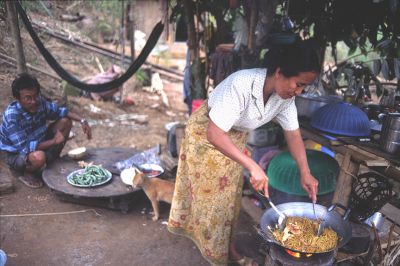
x=348, y=170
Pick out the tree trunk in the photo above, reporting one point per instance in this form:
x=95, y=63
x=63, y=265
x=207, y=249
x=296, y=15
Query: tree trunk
x=18, y=49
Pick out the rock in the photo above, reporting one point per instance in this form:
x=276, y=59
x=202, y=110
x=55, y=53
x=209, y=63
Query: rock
x=6, y=177
x=6, y=186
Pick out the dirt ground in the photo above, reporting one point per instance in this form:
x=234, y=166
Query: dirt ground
x=111, y=238
x=97, y=236
x=36, y=228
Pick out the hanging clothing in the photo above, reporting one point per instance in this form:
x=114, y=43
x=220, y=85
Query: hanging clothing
x=223, y=63
x=241, y=32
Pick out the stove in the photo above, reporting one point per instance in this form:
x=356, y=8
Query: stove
x=279, y=256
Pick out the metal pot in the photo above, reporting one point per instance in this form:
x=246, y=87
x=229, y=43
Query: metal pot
x=390, y=120
x=307, y=104
x=372, y=110
x=377, y=219
x=332, y=219
x=391, y=147
x=266, y=135
x=390, y=135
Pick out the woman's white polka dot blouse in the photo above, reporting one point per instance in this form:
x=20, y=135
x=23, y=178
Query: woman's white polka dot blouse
x=237, y=102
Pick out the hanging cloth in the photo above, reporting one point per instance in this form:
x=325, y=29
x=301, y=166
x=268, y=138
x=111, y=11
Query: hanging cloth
x=151, y=42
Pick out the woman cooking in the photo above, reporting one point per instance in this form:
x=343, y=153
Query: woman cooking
x=209, y=179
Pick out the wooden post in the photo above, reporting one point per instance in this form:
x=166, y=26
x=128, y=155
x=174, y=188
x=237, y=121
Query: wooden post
x=131, y=26
x=122, y=33
x=191, y=29
x=252, y=26
x=122, y=39
x=345, y=180
x=197, y=89
x=18, y=50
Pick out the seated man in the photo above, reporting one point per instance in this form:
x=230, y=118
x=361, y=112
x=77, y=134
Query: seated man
x=30, y=143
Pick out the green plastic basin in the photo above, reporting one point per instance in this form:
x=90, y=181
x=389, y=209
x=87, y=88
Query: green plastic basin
x=283, y=173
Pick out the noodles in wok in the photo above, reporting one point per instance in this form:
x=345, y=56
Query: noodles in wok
x=300, y=235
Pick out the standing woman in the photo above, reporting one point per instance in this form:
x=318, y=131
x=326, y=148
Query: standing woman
x=209, y=180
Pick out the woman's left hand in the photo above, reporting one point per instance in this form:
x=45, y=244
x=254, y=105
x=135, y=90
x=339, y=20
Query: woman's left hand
x=310, y=185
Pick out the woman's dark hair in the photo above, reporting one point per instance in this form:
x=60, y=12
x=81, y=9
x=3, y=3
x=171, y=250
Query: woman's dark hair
x=24, y=81
x=292, y=59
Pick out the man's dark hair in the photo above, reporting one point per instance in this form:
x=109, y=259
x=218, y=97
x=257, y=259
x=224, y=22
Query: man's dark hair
x=299, y=56
x=24, y=81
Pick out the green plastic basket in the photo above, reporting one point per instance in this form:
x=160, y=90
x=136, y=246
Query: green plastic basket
x=284, y=175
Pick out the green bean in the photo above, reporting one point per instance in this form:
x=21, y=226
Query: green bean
x=91, y=175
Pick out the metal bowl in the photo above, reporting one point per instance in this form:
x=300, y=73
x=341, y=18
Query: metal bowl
x=307, y=104
x=377, y=219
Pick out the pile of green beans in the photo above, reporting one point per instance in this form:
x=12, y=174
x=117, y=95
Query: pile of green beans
x=92, y=175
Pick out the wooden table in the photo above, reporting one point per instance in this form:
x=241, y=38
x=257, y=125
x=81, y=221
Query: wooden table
x=114, y=194
x=355, y=153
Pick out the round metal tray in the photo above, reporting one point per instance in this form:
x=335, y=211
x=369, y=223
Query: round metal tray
x=69, y=179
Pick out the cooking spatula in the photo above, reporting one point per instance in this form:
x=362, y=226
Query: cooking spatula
x=282, y=217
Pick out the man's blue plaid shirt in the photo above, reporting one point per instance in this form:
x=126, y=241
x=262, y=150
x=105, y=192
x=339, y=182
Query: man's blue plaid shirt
x=21, y=132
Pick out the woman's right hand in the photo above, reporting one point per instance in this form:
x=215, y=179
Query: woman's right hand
x=259, y=180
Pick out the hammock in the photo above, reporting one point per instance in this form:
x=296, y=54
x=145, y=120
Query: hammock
x=151, y=42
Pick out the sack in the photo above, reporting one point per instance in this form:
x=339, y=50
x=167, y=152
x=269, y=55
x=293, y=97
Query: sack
x=174, y=138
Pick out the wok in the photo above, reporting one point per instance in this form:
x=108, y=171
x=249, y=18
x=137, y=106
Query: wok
x=333, y=219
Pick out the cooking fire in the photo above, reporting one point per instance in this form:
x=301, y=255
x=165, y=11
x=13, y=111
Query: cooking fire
x=298, y=254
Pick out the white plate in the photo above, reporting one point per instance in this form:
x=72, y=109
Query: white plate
x=127, y=175
x=151, y=167
x=77, y=153
x=80, y=171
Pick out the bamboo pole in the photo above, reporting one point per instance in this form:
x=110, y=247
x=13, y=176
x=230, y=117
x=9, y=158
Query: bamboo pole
x=11, y=61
